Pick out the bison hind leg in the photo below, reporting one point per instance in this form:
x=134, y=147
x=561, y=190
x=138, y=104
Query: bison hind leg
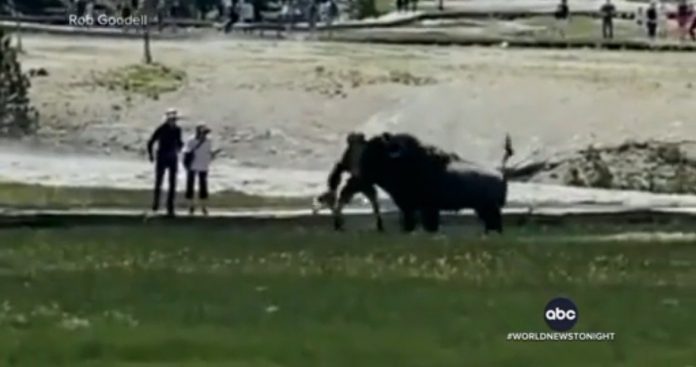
x=492, y=218
x=497, y=219
x=431, y=220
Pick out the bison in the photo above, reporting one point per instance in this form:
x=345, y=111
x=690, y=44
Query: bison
x=421, y=179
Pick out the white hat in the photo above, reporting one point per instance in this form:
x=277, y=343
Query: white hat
x=171, y=112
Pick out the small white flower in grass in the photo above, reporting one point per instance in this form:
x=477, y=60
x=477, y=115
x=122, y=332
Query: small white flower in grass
x=673, y=302
x=272, y=309
x=74, y=323
x=261, y=288
x=19, y=320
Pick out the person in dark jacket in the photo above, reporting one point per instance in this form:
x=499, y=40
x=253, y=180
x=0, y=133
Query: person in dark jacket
x=562, y=16
x=169, y=144
x=80, y=7
x=608, y=11
x=232, y=17
x=651, y=20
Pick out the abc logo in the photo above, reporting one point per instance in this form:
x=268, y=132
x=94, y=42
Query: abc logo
x=561, y=314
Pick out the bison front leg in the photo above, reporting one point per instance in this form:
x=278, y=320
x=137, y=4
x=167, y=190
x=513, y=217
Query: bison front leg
x=431, y=220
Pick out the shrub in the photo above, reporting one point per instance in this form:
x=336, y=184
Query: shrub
x=17, y=116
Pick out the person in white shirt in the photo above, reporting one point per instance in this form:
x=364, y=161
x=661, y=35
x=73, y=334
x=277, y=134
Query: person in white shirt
x=199, y=150
x=662, y=20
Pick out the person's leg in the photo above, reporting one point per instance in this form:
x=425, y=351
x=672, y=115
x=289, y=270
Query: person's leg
x=605, y=29
x=171, y=195
x=190, y=189
x=203, y=190
x=352, y=187
x=611, y=29
x=157, y=191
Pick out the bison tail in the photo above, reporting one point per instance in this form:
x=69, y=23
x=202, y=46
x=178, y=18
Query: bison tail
x=509, y=152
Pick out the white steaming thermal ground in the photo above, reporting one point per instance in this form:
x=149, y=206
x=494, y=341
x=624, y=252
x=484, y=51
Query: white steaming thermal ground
x=84, y=171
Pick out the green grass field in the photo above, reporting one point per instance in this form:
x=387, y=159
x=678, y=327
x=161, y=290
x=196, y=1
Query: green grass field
x=269, y=295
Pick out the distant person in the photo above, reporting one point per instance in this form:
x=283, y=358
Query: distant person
x=161, y=14
x=692, y=27
x=333, y=12
x=562, y=16
x=312, y=13
x=651, y=19
x=80, y=7
x=682, y=17
x=246, y=11
x=167, y=136
x=257, y=7
x=286, y=15
x=662, y=20
x=399, y=5
x=89, y=9
x=640, y=17
x=608, y=11
x=221, y=8
x=175, y=10
x=232, y=17
x=199, y=151
x=126, y=11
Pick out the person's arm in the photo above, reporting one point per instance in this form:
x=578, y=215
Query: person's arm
x=179, y=140
x=335, y=176
x=150, y=143
x=188, y=146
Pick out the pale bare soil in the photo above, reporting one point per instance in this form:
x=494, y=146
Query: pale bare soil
x=267, y=99
x=275, y=104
